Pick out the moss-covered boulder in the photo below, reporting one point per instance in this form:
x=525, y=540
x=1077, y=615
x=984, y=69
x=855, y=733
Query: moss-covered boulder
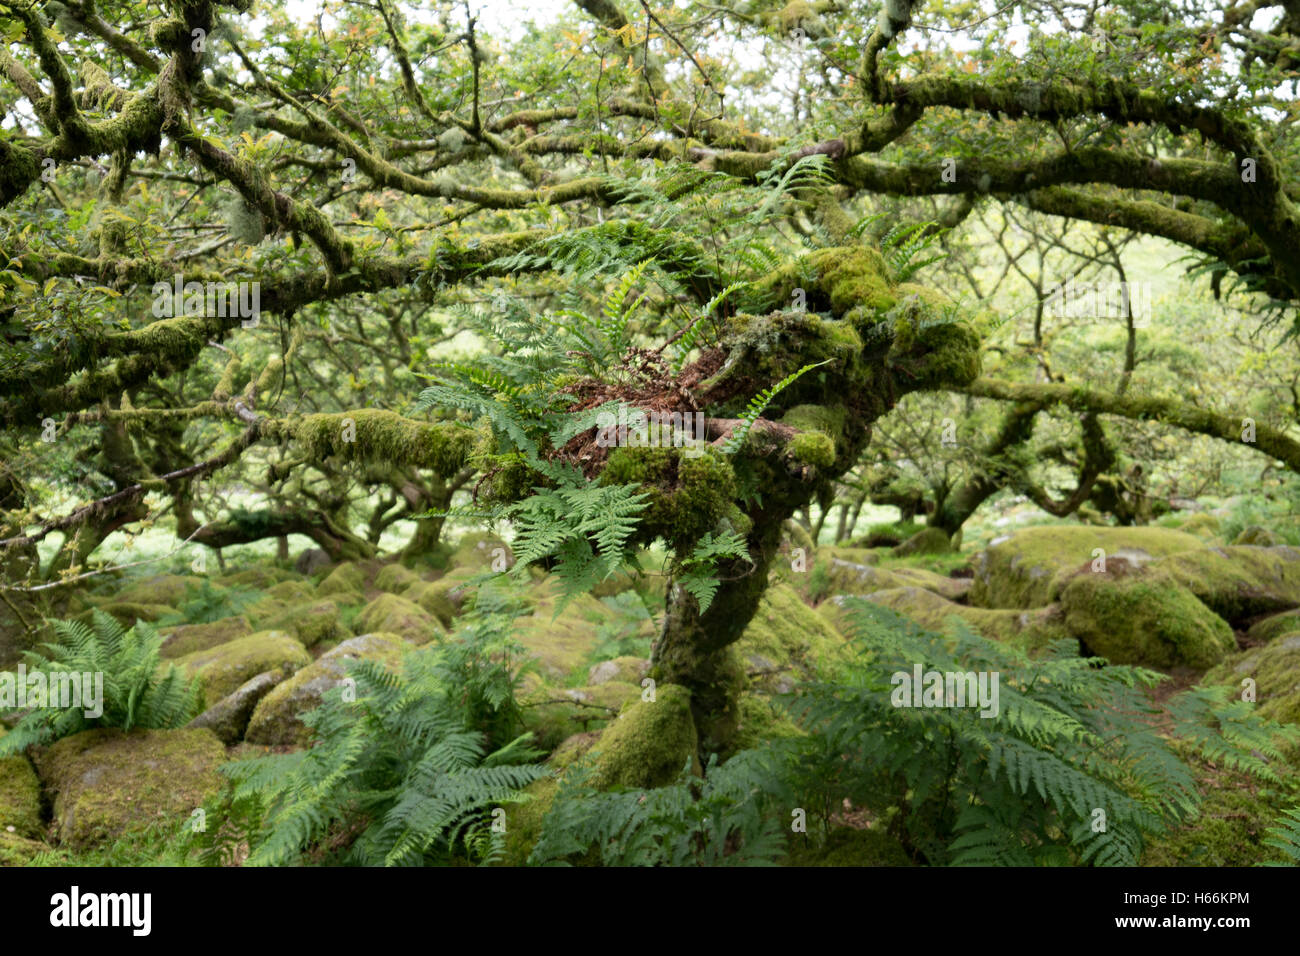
x=393, y=614
x=1023, y=570
x=929, y=541
x=394, y=578
x=348, y=576
x=650, y=743
x=629, y=670
x=481, y=551
x=127, y=613
x=222, y=669
x=445, y=597
x=311, y=623
x=760, y=720
x=1275, y=672
x=847, y=577
x=562, y=645
x=1274, y=626
x=19, y=851
x=275, y=718
x=1205, y=526
x=1029, y=630
x=1240, y=581
x=786, y=641
x=1259, y=536
x=257, y=578
x=20, y=796
x=169, y=589
x=1142, y=616
x=524, y=821
x=554, y=714
x=228, y=718
x=106, y=783
x=189, y=638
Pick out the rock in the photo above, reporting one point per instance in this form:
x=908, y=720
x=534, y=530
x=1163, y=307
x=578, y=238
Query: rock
x=1273, y=627
x=169, y=589
x=480, y=551
x=19, y=851
x=846, y=577
x=630, y=670
x=228, y=718
x=311, y=561
x=256, y=579
x=649, y=744
x=275, y=718
x=20, y=796
x=395, y=579
x=189, y=638
x=1240, y=581
x=929, y=541
x=1029, y=630
x=311, y=623
x=107, y=782
x=396, y=615
x=524, y=821
x=1275, y=669
x=444, y=598
x=346, y=577
x=1022, y=571
x=1204, y=526
x=786, y=641
x=561, y=645
x=225, y=668
x=1142, y=616
x=554, y=714
x=1258, y=536
x=126, y=613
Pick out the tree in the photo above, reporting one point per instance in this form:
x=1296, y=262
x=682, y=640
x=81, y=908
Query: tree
x=293, y=221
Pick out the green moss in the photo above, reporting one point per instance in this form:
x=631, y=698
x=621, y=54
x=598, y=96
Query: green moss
x=926, y=541
x=1258, y=536
x=1275, y=669
x=555, y=714
x=189, y=638
x=347, y=577
x=1230, y=827
x=1023, y=571
x=1240, y=581
x=650, y=743
x=1143, y=617
x=20, y=796
x=394, y=578
x=524, y=821
x=786, y=641
x=313, y=623
x=258, y=578
x=275, y=719
x=375, y=435
x=397, y=615
x=688, y=496
x=812, y=448
x=290, y=592
x=761, y=721
x=127, y=613
x=1029, y=630
x=561, y=645
x=847, y=846
x=222, y=669
x=1271, y=628
x=106, y=782
x=169, y=589
x=443, y=598
x=16, y=850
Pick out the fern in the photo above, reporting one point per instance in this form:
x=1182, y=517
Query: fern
x=137, y=690
x=1285, y=836
x=758, y=404
x=413, y=768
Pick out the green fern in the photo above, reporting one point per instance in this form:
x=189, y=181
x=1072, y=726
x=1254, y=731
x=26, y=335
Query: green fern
x=1285, y=836
x=758, y=404
x=411, y=770
x=137, y=690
